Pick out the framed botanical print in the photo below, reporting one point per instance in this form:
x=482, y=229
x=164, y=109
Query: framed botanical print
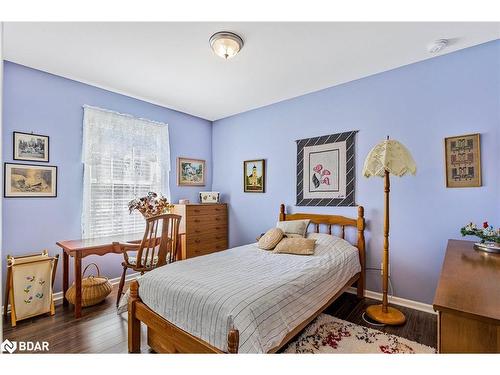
x=30, y=147
x=254, y=176
x=190, y=172
x=30, y=181
x=326, y=170
x=463, y=161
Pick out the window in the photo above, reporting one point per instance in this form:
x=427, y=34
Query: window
x=124, y=157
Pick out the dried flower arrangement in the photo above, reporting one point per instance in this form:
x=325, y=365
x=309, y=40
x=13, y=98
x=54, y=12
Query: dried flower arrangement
x=150, y=205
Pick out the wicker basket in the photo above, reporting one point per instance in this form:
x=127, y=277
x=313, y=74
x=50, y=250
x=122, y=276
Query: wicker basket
x=94, y=289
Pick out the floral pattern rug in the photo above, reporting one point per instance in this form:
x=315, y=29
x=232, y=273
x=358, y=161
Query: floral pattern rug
x=327, y=334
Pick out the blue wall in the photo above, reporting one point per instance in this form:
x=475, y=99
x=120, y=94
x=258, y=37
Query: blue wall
x=51, y=105
x=418, y=104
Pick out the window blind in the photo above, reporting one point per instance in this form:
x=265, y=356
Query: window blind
x=124, y=157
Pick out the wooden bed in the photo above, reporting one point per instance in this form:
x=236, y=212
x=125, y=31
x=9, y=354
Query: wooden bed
x=165, y=337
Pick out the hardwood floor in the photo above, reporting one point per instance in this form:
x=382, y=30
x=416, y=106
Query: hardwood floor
x=420, y=326
x=101, y=330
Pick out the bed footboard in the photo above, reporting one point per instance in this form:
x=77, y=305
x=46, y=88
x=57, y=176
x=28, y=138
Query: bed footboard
x=163, y=336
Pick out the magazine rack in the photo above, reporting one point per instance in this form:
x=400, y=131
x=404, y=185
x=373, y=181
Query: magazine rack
x=29, y=284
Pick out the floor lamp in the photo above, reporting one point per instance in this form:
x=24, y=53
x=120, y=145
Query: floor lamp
x=387, y=157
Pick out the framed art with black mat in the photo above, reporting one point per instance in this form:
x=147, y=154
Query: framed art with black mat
x=29, y=181
x=326, y=170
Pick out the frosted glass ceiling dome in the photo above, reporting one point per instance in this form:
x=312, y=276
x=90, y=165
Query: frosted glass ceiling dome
x=226, y=44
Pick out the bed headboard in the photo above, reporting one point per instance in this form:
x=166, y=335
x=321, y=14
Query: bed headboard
x=335, y=220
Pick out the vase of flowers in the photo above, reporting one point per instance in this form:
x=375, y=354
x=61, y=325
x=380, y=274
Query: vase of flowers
x=150, y=205
x=490, y=237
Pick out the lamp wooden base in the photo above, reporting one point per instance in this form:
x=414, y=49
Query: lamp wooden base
x=391, y=317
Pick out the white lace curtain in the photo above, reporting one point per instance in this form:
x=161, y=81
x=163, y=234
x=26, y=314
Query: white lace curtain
x=124, y=157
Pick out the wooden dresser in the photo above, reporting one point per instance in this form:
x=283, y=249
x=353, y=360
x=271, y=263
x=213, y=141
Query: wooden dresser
x=203, y=228
x=468, y=300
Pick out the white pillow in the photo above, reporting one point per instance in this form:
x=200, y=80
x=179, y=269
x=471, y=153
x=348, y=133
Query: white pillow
x=291, y=227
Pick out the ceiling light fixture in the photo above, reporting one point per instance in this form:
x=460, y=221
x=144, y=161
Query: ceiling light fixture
x=226, y=44
x=437, y=45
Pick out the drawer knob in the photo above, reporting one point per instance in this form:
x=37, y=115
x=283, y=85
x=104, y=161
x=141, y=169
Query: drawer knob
x=197, y=241
x=196, y=220
x=196, y=210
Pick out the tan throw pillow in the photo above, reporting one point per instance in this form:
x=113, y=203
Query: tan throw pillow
x=269, y=240
x=298, y=227
x=299, y=246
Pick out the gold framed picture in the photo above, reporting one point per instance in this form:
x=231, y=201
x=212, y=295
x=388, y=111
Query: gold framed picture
x=30, y=181
x=190, y=172
x=463, y=161
x=254, y=176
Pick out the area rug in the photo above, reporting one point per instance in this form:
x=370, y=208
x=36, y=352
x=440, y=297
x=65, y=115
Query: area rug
x=327, y=334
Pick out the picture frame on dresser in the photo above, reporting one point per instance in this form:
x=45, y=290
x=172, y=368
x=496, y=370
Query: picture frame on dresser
x=30, y=147
x=209, y=197
x=29, y=181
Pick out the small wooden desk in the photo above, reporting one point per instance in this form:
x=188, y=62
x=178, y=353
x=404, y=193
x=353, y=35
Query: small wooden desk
x=468, y=300
x=79, y=249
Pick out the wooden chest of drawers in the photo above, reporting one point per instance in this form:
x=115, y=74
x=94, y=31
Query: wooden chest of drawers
x=203, y=228
x=468, y=300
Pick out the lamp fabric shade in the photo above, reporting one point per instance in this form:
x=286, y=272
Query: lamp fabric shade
x=390, y=156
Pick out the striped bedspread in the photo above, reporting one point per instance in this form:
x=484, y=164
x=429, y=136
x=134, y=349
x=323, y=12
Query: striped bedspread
x=263, y=295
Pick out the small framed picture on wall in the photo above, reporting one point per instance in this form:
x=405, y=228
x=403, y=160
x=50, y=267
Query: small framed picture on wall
x=31, y=147
x=463, y=161
x=254, y=176
x=30, y=181
x=190, y=172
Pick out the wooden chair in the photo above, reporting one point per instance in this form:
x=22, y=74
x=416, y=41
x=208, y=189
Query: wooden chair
x=157, y=248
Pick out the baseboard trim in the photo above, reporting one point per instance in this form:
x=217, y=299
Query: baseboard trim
x=420, y=306
x=58, y=296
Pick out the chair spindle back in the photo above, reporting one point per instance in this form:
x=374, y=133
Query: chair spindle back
x=161, y=239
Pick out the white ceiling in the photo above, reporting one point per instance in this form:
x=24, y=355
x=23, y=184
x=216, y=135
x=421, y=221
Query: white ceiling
x=171, y=64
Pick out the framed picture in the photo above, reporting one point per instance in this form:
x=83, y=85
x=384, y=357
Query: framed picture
x=326, y=170
x=190, y=172
x=463, y=161
x=31, y=147
x=254, y=176
x=29, y=181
